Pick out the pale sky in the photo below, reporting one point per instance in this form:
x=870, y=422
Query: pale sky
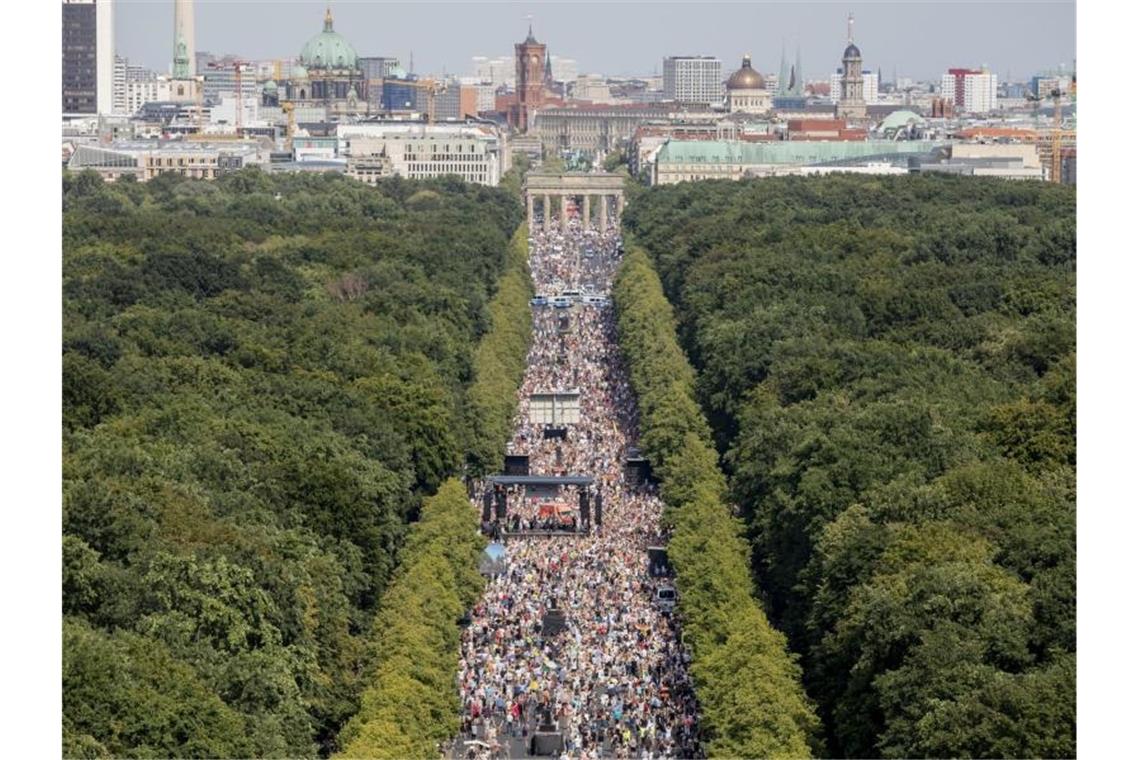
x=922, y=39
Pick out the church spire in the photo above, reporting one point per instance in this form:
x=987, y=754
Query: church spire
x=782, y=83
x=850, y=27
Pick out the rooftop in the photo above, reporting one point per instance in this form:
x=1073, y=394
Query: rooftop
x=784, y=152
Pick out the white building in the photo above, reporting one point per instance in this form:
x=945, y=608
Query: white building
x=563, y=69
x=592, y=87
x=134, y=86
x=498, y=71
x=970, y=91
x=474, y=152
x=693, y=79
x=226, y=111
x=147, y=159
x=870, y=86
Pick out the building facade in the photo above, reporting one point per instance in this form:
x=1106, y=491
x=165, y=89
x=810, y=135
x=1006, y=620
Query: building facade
x=693, y=79
x=970, y=90
x=687, y=161
x=747, y=90
x=375, y=69
x=605, y=127
x=328, y=74
x=420, y=151
x=88, y=57
x=146, y=160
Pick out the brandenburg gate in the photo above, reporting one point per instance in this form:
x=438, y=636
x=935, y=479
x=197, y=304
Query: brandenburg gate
x=595, y=190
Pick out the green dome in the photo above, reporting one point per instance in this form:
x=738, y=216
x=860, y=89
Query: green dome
x=328, y=50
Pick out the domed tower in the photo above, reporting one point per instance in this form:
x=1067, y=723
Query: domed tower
x=746, y=91
x=851, y=104
x=331, y=65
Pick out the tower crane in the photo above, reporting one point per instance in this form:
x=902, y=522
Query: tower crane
x=1055, y=138
x=290, y=124
x=240, y=100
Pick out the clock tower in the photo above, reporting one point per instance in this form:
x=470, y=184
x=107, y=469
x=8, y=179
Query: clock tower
x=530, y=71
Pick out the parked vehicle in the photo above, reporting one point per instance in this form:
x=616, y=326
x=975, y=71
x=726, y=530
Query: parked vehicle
x=561, y=302
x=540, y=301
x=665, y=598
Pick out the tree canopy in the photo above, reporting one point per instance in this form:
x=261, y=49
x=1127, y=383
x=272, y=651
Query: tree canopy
x=263, y=377
x=888, y=367
x=748, y=684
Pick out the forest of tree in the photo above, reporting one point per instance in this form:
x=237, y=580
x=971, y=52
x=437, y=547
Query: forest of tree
x=748, y=685
x=888, y=366
x=264, y=376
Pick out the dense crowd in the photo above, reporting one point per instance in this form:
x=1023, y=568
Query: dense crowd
x=614, y=682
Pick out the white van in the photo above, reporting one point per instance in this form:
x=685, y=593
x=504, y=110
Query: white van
x=665, y=598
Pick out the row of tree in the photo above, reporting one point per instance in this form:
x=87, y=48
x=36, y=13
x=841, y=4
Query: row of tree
x=263, y=376
x=888, y=365
x=411, y=705
x=500, y=363
x=748, y=684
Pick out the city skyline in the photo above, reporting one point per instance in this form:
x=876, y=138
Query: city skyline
x=1016, y=39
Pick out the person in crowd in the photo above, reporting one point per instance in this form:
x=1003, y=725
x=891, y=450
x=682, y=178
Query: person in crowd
x=614, y=682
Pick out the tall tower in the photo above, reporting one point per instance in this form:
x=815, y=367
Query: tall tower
x=530, y=55
x=851, y=104
x=184, y=64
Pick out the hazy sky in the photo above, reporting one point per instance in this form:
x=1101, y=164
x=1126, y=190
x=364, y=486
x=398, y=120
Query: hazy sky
x=920, y=38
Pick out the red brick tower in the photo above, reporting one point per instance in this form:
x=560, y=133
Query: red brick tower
x=530, y=60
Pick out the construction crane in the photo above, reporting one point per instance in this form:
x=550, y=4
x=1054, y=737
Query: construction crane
x=290, y=124
x=1055, y=139
x=238, y=103
x=201, y=85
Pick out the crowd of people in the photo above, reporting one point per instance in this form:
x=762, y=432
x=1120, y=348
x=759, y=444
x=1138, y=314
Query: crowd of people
x=613, y=682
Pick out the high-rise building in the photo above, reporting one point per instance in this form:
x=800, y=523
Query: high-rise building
x=693, y=79
x=852, y=103
x=530, y=72
x=133, y=87
x=970, y=90
x=119, y=87
x=185, y=58
x=88, y=57
x=375, y=70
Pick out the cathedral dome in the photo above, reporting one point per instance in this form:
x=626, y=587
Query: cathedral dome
x=746, y=77
x=851, y=52
x=328, y=50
